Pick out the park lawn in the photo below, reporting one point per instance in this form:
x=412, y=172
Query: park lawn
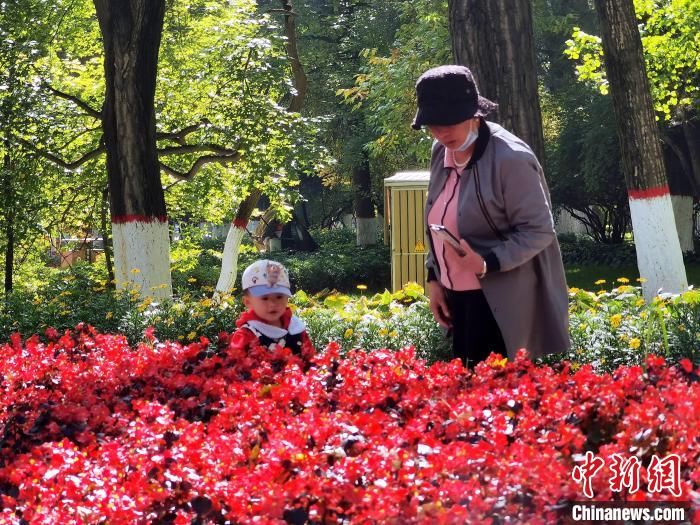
x=585, y=276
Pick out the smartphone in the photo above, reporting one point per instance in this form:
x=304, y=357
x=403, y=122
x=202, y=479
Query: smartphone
x=447, y=237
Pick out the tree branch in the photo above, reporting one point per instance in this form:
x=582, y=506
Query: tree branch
x=300, y=80
x=198, y=164
x=78, y=102
x=59, y=161
x=179, y=136
x=194, y=148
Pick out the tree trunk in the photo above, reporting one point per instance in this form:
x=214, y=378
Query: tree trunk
x=106, y=239
x=691, y=132
x=300, y=82
x=494, y=39
x=229, y=262
x=9, y=224
x=658, y=249
x=131, y=32
x=364, y=208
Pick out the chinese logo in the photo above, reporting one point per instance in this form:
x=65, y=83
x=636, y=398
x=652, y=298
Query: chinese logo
x=662, y=474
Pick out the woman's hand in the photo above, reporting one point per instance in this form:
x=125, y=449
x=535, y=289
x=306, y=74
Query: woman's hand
x=438, y=304
x=471, y=260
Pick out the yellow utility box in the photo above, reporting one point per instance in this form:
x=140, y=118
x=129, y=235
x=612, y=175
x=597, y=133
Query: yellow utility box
x=404, y=205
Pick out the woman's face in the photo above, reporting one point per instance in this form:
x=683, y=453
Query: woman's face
x=452, y=137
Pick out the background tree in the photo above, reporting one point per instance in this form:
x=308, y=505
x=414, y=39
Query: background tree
x=131, y=33
x=658, y=250
x=384, y=89
x=238, y=227
x=217, y=102
x=668, y=31
x=495, y=40
x=24, y=26
x=334, y=37
x=582, y=154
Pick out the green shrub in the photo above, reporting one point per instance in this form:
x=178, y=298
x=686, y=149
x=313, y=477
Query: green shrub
x=338, y=264
x=384, y=320
x=577, y=251
x=617, y=327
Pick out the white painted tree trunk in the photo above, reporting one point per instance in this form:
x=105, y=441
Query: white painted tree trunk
x=683, y=212
x=366, y=231
x=659, y=254
x=229, y=263
x=142, y=257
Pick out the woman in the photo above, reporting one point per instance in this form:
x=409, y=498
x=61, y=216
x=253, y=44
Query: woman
x=505, y=288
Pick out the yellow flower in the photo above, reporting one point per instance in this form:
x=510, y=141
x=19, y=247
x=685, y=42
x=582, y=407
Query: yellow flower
x=383, y=332
x=634, y=343
x=361, y=286
x=600, y=281
x=191, y=280
x=192, y=335
x=615, y=320
x=393, y=333
x=348, y=333
x=623, y=280
x=641, y=279
x=499, y=363
x=135, y=270
x=639, y=302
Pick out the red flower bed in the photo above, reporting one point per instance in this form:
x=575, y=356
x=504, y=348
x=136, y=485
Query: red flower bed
x=93, y=431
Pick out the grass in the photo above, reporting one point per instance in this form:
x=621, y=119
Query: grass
x=585, y=276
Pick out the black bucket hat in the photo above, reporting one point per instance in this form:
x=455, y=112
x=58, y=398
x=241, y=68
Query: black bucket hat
x=448, y=95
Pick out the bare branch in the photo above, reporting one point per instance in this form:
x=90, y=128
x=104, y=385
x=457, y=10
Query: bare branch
x=59, y=161
x=78, y=102
x=85, y=131
x=179, y=136
x=194, y=148
x=199, y=163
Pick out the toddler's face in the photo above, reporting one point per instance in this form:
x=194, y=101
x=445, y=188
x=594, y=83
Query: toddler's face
x=269, y=307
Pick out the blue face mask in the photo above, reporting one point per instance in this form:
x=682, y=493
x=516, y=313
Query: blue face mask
x=471, y=138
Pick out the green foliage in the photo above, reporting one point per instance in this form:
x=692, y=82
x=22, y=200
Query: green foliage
x=617, y=327
x=384, y=89
x=337, y=265
x=669, y=31
x=586, y=252
x=608, y=327
x=384, y=320
x=585, y=170
x=223, y=82
x=79, y=294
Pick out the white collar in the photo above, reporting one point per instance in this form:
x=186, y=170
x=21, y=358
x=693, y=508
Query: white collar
x=296, y=326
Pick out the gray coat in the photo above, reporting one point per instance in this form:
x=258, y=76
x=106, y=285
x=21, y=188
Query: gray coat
x=504, y=213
